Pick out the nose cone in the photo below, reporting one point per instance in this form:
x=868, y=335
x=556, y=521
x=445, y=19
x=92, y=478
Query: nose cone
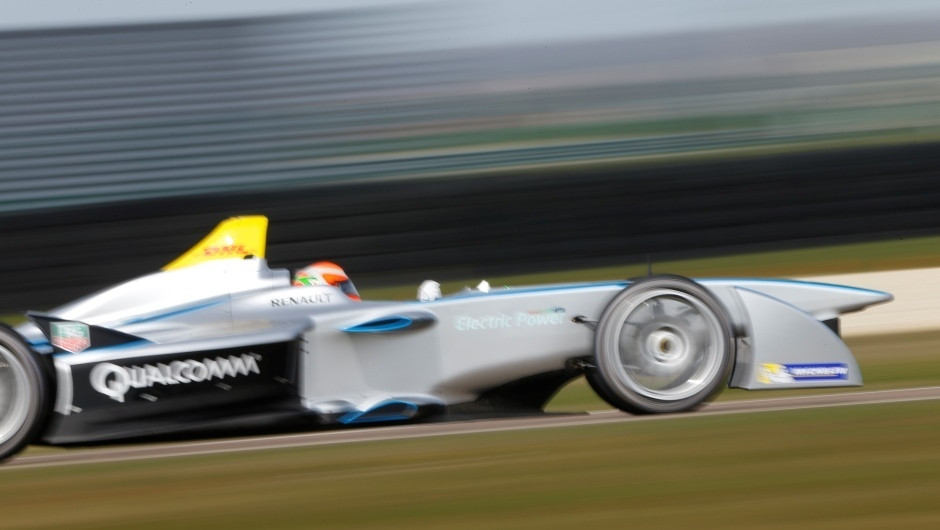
x=856, y=299
x=826, y=300
x=822, y=300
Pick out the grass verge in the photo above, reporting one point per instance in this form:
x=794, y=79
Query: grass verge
x=838, y=467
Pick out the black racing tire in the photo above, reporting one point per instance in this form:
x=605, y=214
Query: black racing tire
x=663, y=344
x=25, y=393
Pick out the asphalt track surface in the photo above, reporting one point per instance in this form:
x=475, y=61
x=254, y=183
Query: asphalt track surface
x=401, y=432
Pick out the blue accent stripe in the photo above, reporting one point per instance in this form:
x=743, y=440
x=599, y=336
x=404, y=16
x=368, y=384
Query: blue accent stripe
x=174, y=313
x=783, y=281
x=41, y=346
x=511, y=291
x=560, y=287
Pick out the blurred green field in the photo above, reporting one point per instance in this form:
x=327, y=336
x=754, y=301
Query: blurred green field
x=857, y=467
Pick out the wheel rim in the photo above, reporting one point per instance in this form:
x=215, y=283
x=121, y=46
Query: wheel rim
x=670, y=345
x=14, y=394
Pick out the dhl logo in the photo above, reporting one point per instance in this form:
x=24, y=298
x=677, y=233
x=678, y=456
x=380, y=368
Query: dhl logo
x=226, y=250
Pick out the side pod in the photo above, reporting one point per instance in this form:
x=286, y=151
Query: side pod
x=406, y=320
x=786, y=347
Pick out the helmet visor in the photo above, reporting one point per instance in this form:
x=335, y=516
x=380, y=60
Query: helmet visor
x=349, y=289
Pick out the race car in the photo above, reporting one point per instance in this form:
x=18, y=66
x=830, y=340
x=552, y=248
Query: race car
x=218, y=340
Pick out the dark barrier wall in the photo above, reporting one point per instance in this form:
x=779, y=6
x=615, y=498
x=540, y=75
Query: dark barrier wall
x=475, y=227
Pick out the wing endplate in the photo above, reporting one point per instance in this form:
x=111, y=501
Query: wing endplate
x=786, y=347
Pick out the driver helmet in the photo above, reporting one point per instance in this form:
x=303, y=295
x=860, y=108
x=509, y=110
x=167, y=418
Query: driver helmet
x=326, y=273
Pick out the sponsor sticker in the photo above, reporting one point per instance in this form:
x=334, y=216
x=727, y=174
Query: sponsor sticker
x=520, y=319
x=114, y=381
x=224, y=250
x=72, y=337
x=310, y=299
x=773, y=373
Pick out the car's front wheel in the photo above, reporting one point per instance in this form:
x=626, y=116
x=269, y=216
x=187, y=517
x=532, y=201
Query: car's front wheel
x=663, y=344
x=24, y=393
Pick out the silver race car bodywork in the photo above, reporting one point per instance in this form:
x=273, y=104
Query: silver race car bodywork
x=220, y=339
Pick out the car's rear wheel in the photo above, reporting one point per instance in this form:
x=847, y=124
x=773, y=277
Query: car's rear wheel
x=663, y=344
x=24, y=393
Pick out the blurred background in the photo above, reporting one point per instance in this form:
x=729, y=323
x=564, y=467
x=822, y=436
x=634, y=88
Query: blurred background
x=407, y=140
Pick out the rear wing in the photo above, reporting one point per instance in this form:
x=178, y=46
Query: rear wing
x=235, y=237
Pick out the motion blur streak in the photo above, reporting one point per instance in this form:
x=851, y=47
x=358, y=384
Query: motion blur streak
x=504, y=134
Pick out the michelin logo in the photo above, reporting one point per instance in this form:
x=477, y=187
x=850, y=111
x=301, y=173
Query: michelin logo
x=114, y=381
x=772, y=373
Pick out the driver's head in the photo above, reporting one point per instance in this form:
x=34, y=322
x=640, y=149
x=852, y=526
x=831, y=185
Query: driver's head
x=326, y=273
